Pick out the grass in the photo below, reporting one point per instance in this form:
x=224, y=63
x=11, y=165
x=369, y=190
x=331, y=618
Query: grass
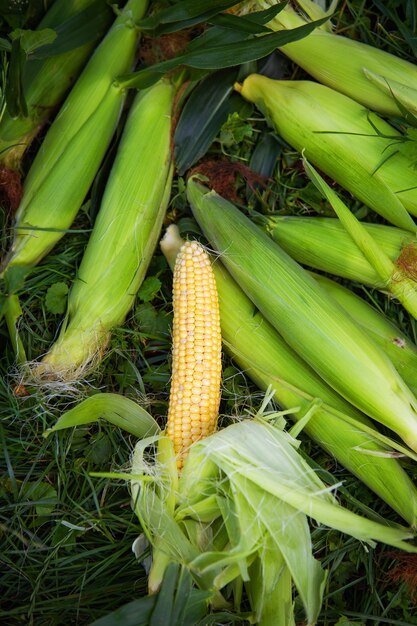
x=65, y=536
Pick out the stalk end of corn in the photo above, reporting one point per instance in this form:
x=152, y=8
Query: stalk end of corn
x=237, y=87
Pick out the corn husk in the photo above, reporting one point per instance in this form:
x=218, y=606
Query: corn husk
x=323, y=243
x=260, y=351
x=371, y=76
x=73, y=148
x=345, y=141
x=310, y=321
x=123, y=240
x=46, y=81
x=255, y=528
x=398, y=278
x=400, y=349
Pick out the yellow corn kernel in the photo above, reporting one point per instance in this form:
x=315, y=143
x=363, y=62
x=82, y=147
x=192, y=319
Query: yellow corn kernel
x=196, y=359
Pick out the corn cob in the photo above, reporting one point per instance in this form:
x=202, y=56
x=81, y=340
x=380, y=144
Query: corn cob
x=310, y=321
x=323, y=243
x=124, y=237
x=399, y=348
x=338, y=136
x=262, y=353
x=46, y=81
x=74, y=146
x=366, y=74
x=196, y=358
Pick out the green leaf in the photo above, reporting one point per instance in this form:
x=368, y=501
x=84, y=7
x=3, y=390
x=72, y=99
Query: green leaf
x=246, y=50
x=235, y=130
x=184, y=11
x=100, y=449
x=212, y=36
x=56, y=298
x=190, y=605
x=14, y=278
x=265, y=155
x=30, y=40
x=163, y=606
x=5, y=44
x=78, y=30
x=135, y=613
x=117, y=410
x=176, y=604
x=152, y=322
x=202, y=117
x=43, y=494
x=16, y=104
x=252, y=23
x=149, y=288
x=220, y=56
x=345, y=621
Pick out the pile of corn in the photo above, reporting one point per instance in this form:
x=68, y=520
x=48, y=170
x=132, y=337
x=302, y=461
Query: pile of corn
x=233, y=505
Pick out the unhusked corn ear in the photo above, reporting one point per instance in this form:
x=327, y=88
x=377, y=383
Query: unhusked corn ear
x=373, y=77
x=73, y=148
x=196, y=360
x=124, y=237
x=324, y=244
x=340, y=137
x=311, y=322
x=46, y=81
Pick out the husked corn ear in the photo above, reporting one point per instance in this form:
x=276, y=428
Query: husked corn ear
x=196, y=361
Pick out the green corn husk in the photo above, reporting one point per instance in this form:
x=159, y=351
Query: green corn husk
x=123, y=240
x=46, y=81
x=261, y=352
x=239, y=514
x=73, y=148
x=310, y=321
x=373, y=77
x=339, y=136
x=398, y=278
x=399, y=348
x=323, y=243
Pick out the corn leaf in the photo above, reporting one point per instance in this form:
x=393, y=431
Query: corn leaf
x=250, y=23
x=219, y=56
x=182, y=13
x=116, y=409
x=202, y=117
x=290, y=478
x=289, y=531
x=270, y=587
